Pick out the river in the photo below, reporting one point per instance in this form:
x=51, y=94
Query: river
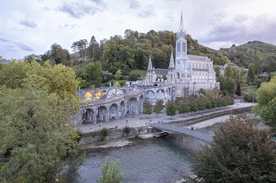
x=156, y=160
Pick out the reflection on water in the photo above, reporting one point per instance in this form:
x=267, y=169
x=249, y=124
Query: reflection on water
x=157, y=160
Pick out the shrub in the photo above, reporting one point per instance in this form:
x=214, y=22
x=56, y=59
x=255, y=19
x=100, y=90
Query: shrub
x=103, y=133
x=126, y=130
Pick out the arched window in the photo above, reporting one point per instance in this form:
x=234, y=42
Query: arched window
x=178, y=45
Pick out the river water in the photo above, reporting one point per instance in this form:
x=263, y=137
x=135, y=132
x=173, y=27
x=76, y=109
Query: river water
x=156, y=160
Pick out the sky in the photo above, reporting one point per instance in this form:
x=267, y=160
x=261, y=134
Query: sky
x=32, y=26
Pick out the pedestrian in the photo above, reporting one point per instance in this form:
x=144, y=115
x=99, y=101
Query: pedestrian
x=192, y=128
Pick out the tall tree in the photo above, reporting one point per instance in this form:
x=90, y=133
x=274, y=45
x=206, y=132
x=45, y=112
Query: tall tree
x=170, y=108
x=266, y=98
x=158, y=106
x=251, y=73
x=147, y=108
x=93, y=73
x=239, y=152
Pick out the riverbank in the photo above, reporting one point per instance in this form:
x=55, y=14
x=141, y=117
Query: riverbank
x=139, y=125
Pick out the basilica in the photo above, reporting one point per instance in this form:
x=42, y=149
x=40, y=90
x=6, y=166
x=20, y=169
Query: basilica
x=189, y=73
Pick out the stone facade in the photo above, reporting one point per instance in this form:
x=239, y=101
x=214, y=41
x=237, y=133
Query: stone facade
x=189, y=73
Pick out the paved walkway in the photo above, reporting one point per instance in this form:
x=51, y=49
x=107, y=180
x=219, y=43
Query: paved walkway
x=144, y=120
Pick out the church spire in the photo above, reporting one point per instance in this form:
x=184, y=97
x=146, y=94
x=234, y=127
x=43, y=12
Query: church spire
x=181, y=26
x=171, y=61
x=150, y=64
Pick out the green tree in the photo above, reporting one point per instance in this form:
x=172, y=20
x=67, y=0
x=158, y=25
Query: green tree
x=251, y=73
x=266, y=98
x=58, y=54
x=238, y=90
x=158, y=106
x=111, y=172
x=118, y=74
x=92, y=73
x=37, y=141
x=147, y=108
x=133, y=77
x=240, y=152
x=170, y=108
x=117, y=84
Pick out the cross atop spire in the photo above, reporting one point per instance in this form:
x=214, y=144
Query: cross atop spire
x=181, y=26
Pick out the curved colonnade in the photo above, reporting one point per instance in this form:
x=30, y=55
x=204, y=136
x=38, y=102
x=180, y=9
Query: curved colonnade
x=114, y=103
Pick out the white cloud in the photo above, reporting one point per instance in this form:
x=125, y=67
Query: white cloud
x=32, y=26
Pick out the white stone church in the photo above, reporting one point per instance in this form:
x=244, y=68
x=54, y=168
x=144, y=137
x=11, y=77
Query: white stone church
x=189, y=73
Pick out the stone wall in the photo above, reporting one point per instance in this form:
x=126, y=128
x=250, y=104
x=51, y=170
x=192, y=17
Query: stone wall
x=93, y=137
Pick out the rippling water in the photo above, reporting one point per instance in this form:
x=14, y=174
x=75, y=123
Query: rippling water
x=157, y=160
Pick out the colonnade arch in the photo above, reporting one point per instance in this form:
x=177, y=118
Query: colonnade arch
x=103, y=112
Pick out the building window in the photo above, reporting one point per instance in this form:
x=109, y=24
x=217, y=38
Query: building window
x=183, y=47
x=178, y=46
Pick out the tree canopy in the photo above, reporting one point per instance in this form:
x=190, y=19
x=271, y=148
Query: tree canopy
x=239, y=152
x=266, y=98
x=171, y=108
x=147, y=108
x=37, y=141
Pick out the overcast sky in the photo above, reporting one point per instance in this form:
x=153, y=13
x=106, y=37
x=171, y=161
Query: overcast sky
x=32, y=26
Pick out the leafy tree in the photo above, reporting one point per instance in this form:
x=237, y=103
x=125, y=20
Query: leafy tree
x=170, y=109
x=266, y=107
x=93, y=73
x=103, y=133
x=158, y=106
x=117, y=84
x=251, y=73
x=58, y=54
x=238, y=90
x=133, y=77
x=111, y=172
x=118, y=74
x=37, y=141
x=239, y=152
x=147, y=108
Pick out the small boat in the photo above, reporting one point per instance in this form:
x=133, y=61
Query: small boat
x=160, y=134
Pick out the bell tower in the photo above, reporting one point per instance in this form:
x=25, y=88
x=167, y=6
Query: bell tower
x=181, y=58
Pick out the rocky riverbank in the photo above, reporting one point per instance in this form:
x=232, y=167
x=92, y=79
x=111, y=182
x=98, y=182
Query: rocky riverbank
x=108, y=144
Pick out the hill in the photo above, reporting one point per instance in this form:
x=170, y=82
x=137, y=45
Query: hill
x=257, y=52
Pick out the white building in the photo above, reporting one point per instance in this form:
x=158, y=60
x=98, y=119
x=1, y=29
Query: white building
x=189, y=73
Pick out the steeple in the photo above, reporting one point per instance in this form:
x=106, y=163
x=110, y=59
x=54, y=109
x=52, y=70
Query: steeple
x=171, y=61
x=181, y=32
x=150, y=64
x=181, y=26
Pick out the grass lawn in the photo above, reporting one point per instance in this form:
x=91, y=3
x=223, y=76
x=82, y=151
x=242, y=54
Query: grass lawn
x=250, y=90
